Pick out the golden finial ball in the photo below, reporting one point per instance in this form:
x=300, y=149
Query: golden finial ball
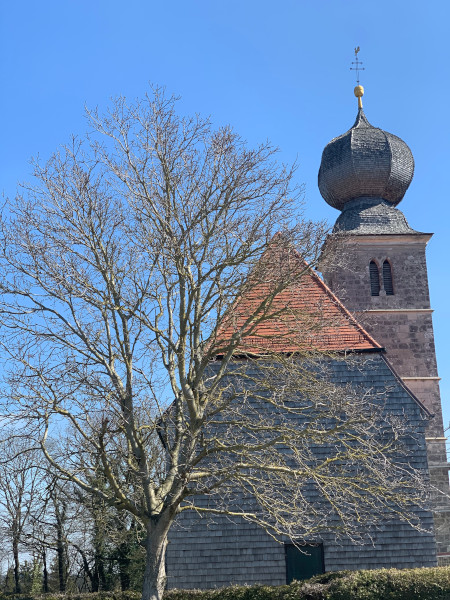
x=359, y=91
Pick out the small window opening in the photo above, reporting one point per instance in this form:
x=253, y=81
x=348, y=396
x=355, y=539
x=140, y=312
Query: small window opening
x=387, y=278
x=374, y=278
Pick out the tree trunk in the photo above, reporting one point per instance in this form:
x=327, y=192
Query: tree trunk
x=17, y=589
x=95, y=580
x=155, y=564
x=45, y=572
x=100, y=575
x=99, y=582
x=86, y=568
x=60, y=550
x=7, y=576
x=123, y=560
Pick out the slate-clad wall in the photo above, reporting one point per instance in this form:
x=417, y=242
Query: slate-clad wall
x=213, y=552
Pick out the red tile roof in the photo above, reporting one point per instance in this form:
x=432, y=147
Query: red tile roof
x=303, y=315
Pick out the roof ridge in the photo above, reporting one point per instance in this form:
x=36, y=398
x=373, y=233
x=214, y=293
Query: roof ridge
x=330, y=327
x=344, y=309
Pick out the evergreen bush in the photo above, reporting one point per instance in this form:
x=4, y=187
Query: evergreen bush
x=383, y=584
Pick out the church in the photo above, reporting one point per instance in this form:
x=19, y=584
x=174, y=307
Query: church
x=379, y=303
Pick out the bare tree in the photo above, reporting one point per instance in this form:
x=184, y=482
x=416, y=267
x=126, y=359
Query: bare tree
x=19, y=491
x=57, y=511
x=120, y=274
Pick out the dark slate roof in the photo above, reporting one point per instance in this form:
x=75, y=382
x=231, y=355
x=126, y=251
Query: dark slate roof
x=367, y=216
x=365, y=162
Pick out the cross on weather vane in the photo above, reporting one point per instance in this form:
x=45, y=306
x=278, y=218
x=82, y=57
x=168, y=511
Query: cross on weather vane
x=357, y=64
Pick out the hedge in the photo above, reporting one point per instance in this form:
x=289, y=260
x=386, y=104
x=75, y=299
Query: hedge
x=393, y=584
x=384, y=584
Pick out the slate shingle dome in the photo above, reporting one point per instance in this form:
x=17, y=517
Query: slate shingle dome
x=365, y=162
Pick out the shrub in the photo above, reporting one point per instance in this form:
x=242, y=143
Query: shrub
x=384, y=584
x=393, y=584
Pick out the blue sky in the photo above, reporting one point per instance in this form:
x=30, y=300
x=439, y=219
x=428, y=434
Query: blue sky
x=276, y=70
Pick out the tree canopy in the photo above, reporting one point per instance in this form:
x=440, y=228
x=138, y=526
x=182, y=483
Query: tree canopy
x=118, y=267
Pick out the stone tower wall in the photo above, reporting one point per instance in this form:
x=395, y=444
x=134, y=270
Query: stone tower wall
x=402, y=323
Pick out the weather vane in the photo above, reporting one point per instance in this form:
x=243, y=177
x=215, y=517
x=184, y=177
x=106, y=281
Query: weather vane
x=357, y=64
x=359, y=90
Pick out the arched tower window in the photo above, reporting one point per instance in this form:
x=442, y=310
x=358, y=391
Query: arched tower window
x=374, y=279
x=387, y=278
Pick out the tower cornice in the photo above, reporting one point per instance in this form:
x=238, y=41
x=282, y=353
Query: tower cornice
x=381, y=239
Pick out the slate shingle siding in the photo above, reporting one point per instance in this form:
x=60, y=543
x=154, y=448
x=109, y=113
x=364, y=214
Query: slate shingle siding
x=371, y=216
x=216, y=551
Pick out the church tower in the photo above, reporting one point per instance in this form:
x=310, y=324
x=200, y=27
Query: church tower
x=381, y=274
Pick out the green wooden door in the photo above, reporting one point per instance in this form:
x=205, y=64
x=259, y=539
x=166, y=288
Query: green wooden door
x=303, y=562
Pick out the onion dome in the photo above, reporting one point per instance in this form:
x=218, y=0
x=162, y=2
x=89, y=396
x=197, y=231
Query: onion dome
x=365, y=162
